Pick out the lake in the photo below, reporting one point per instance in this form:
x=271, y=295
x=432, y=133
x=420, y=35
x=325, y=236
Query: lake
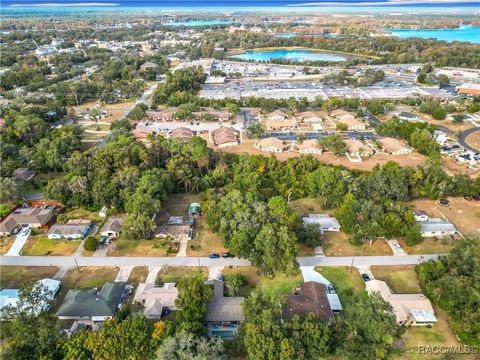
x=463, y=33
x=292, y=55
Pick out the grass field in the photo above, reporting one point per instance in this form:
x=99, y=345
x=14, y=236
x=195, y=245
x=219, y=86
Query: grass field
x=337, y=244
x=37, y=184
x=15, y=276
x=279, y=285
x=306, y=206
x=204, y=241
x=41, y=245
x=123, y=247
x=176, y=205
x=138, y=275
x=83, y=214
x=429, y=246
x=89, y=276
x=400, y=279
x=348, y=282
x=175, y=273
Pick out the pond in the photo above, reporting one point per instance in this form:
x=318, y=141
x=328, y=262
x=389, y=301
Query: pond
x=292, y=55
x=463, y=33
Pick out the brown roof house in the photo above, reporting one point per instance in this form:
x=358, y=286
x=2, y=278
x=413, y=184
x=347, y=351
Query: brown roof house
x=181, y=133
x=225, y=137
x=141, y=134
x=409, y=309
x=276, y=115
x=312, y=298
x=224, y=314
x=310, y=147
x=160, y=115
x=270, y=144
x=157, y=301
x=312, y=116
x=342, y=115
x=357, y=149
x=280, y=124
x=22, y=175
x=394, y=146
x=34, y=217
x=353, y=123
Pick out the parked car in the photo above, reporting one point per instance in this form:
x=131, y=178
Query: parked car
x=25, y=231
x=476, y=198
x=213, y=256
x=397, y=246
x=365, y=277
x=444, y=202
x=227, y=255
x=468, y=198
x=16, y=230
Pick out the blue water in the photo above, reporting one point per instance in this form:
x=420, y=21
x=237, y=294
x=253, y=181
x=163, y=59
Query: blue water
x=292, y=55
x=292, y=35
x=464, y=33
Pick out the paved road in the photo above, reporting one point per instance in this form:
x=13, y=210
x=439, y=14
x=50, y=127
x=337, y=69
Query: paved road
x=61, y=261
x=463, y=135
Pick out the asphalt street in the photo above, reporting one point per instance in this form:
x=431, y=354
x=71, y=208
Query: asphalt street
x=463, y=135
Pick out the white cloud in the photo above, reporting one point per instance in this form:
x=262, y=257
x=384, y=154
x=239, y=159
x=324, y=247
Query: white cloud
x=385, y=3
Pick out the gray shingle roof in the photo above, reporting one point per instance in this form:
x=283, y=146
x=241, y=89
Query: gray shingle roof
x=221, y=308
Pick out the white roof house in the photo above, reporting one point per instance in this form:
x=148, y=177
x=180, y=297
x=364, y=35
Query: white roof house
x=436, y=227
x=324, y=221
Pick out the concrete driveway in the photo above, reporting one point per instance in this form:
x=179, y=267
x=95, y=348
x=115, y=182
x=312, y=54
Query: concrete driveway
x=396, y=248
x=18, y=244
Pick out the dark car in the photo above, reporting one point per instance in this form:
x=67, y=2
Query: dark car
x=476, y=198
x=213, y=256
x=227, y=255
x=365, y=277
x=444, y=202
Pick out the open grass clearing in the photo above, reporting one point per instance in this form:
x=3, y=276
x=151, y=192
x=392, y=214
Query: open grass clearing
x=204, y=241
x=124, y=247
x=337, y=244
x=176, y=205
x=41, y=245
x=175, y=273
x=92, y=136
x=138, y=275
x=89, y=276
x=401, y=279
x=37, y=184
x=15, y=276
x=305, y=206
x=279, y=285
x=347, y=281
x=429, y=246
x=83, y=214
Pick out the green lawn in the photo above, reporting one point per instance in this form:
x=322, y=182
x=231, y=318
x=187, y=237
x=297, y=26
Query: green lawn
x=347, y=281
x=123, y=247
x=83, y=214
x=138, y=275
x=37, y=184
x=279, y=285
x=41, y=245
x=175, y=273
x=305, y=206
x=400, y=279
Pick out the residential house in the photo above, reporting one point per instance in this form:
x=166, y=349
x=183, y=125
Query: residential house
x=148, y=65
x=436, y=227
x=310, y=147
x=177, y=228
x=406, y=116
x=394, y=146
x=342, y=115
x=287, y=124
x=160, y=115
x=420, y=215
x=73, y=229
x=409, y=309
x=276, y=115
x=224, y=314
x=451, y=149
x=356, y=149
x=310, y=298
x=91, y=303
x=141, y=134
x=471, y=89
x=47, y=289
x=312, y=116
x=324, y=221
x=468, y=157
x=34, y=217
x=270, y=144
x=218, y=115
x=225, y=137
x=182, y=133
x=157, y=301
x=23, y=175
x=112, y=226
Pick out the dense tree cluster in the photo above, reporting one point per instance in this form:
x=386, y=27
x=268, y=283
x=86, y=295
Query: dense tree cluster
x=453, y=283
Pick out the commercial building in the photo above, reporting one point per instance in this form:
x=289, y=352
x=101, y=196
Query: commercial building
x=409, y=309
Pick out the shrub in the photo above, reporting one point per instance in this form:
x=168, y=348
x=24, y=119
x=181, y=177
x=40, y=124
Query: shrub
x=91, y=244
